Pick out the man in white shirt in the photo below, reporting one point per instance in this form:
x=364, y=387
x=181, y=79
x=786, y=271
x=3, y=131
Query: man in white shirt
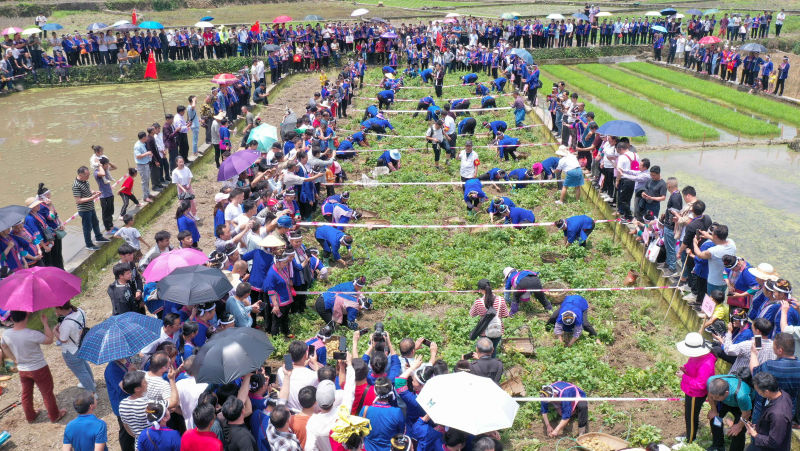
x=469, y=162
x=189, y=391
x=257, y=72
x=169, y=332
x=301, y=375
x=319, y=426
x=627, y=163
x=779, y=23
x=234, y=207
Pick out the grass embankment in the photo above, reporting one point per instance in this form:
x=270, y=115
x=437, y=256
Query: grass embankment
x=630, y=359
x=642, y=109
x=756, y=104
x=706, y=111
x=601, y=116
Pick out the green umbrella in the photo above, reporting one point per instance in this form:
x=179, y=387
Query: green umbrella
x=509, y=16
x=314, y=18
x=265, y=134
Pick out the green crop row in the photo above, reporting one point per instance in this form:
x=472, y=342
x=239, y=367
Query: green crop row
x=704, y=110
x=601, y=116
x=760, y=105
x=646, y=111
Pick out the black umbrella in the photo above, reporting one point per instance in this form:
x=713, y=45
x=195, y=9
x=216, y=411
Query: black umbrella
x=378, y=20
x=753, y=47
x=232, y=353
x=192, y=285
x=669, y=12
x=12, y=215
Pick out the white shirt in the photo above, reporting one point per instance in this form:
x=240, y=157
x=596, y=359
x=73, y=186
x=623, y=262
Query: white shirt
x=780, y=18
x=624, y=162
x=568, y=163
x=609, y=155
x=189, y=392
x=319, y=426
x=180, y=124
x=302, y=377
x=467, y=166
x=69, y=331
x=159, y=139
x=151, y=348
x=232, y=211
x=24, y=344
x=449, y=125
x=182, y=176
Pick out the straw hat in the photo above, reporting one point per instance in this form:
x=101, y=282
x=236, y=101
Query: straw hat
x=32, y=202
x=693, y=345
x=562, y=151
x=220, y=116
x=389, y=75
x=270, y=241
x=764, y=271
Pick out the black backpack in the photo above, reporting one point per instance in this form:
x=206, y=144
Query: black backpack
x=84, y=329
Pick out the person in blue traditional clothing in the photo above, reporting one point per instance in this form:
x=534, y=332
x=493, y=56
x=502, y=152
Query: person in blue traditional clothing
x=566, y=409
x=548, y=167
x=423, y=104
x=426, y=75
x=280, y=293
x=385, y=419
x=520, y=174
x=318, y=342
x=495, y=127
x=467, y=126
x=516, y=215
x=330, y=201
x=571, y=319
x=495, y=205
x=385, y=99
x=498, y=84
x=341, y=304
x=469, y=78
x=331, y=239
x=576, y=228
x=517, y=281
x=370, y=112
x=473, y=195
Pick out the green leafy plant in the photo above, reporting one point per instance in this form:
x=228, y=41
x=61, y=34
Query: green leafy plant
x=642, y=109
x=706, y=111
x=644, y=435
x=757, y=104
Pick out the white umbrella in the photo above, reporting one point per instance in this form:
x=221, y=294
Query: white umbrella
x=653, y=14
x=679, y=16
x=467, y=402
x=359, y=12
x=120, y=22
x=452, y=15
x=204, y=24
x=30, y=31
x=555, y=16
x=603, y=14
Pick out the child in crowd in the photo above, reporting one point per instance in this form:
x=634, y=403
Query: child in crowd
x=131, y=235
x=126, y=192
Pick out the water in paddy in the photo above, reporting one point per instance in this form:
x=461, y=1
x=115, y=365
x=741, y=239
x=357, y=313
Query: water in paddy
x=753, y=190
x=51, y=131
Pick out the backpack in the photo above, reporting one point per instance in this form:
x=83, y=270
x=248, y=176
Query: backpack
x=634, y=162
x=495, y=327
x=84, y=329
x=484, y=323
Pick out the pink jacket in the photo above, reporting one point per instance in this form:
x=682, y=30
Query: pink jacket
x=696, y=372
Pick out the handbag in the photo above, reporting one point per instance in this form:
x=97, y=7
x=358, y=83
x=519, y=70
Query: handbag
x=60, y=234
x=652, y=251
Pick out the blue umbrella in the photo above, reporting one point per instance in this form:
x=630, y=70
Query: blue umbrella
x=669, y=12
x=51, y=27
x=207, y=19
x=151, y=25
x=524, y=54
x=621, y=128
x=710, y=11
x=696, y=12
x=658, y=28
x=580, y=16
x=119, y=337
x=96, y=26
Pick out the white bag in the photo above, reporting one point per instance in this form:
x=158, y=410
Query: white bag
x=652, y=251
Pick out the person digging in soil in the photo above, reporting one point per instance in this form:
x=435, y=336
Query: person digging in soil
x=575, y=228
x=341, y=304
x=567, y=410
x=517, y=281
x=571, y=319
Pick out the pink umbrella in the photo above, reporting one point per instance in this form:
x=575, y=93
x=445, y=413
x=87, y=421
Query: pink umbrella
x=38, y=288
x=12, y=30
x=224, y=79
x=282, y=19
x=167, y=262
x=451, y=20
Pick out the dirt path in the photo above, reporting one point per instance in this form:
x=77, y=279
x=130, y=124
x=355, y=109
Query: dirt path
x=44, y=435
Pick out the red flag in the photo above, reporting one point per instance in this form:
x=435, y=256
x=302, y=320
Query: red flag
x=133, y=16
x=256, y=28
x=439, y=40
x=150, y=71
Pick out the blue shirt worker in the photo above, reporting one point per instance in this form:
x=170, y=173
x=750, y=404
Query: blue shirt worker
x=424, y=103
x=426, y=75
x=331, y=239
x=496, y=127
x=493, y=175
x=566, y=409
x=506, y=146
x=469, y=78
x=496, y=202
x=517, y=282
x=499, y=84
x=571, y=318
x=85, y=432
x=370, y=112
x=385, y=99
x=342, y=303
x=576, y=228
x=488, y=101
x=390, y=159
x=520, y=174
x=467, y=126
x=729, y=394
x=481, y=90
x=473, y=195
x=516, y=215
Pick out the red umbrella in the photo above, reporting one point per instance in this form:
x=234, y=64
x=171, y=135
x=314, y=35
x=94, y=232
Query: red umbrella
x=282, y=19
x=38, y=288
x=224, y=79
x=710, y=40
x=167, y=262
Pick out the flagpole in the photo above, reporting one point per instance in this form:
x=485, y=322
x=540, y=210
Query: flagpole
x=162, y=97
x=154, y=74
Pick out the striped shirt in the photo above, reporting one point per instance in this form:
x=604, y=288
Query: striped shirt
x=479, y=309
x=132, y=412
x=81, y=189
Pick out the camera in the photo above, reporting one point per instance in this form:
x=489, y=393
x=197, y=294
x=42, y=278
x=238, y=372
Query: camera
x=379, y=335
x=717, y=328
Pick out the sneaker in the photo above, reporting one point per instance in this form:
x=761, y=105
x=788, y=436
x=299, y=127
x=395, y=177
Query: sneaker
x=558, y=202
x=666, y=272
x=102, y=239
x=92, y=248
x=691, y=297
x=624, y=221
x=684, y=287
x=113, y=230
x=661, y=265
x=120, y=219
x=80, y=385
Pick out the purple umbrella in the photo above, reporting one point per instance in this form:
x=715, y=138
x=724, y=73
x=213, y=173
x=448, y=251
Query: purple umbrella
x=236, y=164
x=38, y=288
x=389, y=35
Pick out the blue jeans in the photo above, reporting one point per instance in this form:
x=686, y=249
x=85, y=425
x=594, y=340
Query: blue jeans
x=559, y=116
x=81, y=369
x=195, y=132
x=669, y=246
x=90, y=223
x=711, y=287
